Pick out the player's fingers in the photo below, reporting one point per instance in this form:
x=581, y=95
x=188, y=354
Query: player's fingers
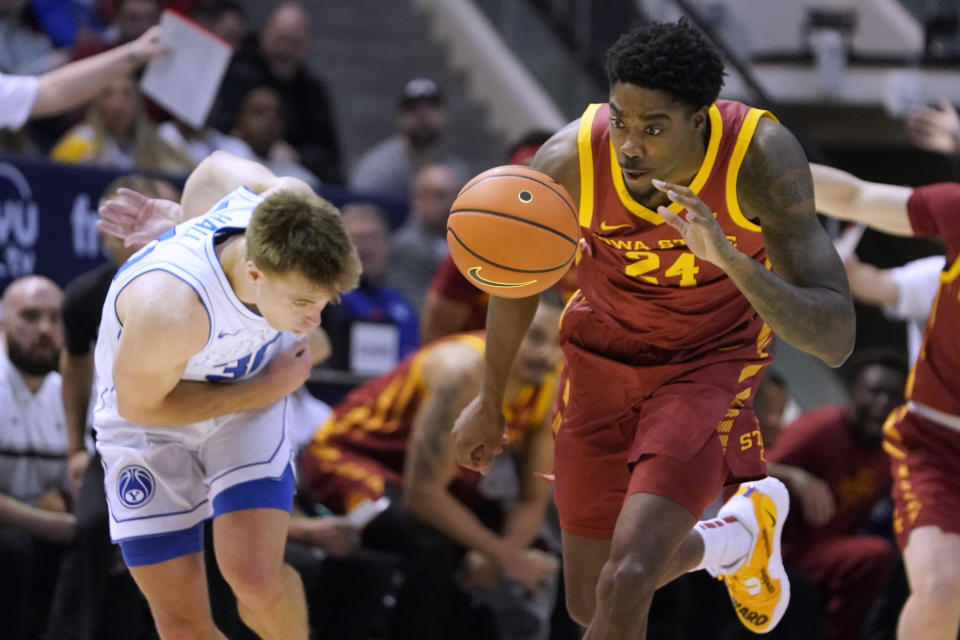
x=667, y=187
x=673, y=219
x=110, y=228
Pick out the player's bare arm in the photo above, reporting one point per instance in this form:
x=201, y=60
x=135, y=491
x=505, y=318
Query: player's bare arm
x=880, y=206
x=451, y=374
x=138, y=219
x=155, y=345
x=479, y=429
x=807, y=287
x=222, y=172
x=536, y=457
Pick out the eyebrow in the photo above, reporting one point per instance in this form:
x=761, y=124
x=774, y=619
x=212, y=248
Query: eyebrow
x=656, y=115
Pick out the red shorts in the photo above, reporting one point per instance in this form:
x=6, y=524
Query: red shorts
x=925, y=462
x=678, y=430
x=339, y=479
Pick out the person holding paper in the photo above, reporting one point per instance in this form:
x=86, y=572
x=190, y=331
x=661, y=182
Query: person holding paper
x=117, y=133
x=25, y=97
x=205, y=332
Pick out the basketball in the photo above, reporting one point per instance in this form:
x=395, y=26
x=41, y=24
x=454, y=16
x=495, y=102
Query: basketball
x=513, y=231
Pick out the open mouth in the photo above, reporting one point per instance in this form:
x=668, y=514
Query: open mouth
x=633, y=174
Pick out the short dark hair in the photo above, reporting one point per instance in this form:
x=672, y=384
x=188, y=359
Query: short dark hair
x=881, y=356
x=668, y=56
x=289, y=232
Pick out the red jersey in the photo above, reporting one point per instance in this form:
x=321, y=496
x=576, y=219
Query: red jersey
x=375, y=420
x=635, y=270
x=823, y=443
x=935, y=378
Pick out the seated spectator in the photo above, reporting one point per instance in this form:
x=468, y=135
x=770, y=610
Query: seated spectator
x=34, y=522
x=117, y=133
x=131, y=19
x=277, y=58
x=420, y=244
x=833, y=464
x=391, y=436
x=770, y=404
x=24, y=51
x=390, y=167
x=372, y=301
x=226, y=18
x=198, y=144
x=261, y=127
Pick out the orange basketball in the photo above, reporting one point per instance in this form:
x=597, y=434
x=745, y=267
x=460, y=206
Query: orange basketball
x=513, y=231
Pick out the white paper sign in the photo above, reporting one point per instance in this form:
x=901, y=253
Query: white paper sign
x=373, y=348
x=186, y=80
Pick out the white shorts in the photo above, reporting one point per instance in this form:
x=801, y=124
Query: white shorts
x=164, y=479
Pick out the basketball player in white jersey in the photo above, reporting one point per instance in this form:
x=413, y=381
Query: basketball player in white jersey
x=204, y=333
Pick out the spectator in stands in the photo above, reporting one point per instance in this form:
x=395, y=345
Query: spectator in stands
x=390, y=166
x=833, y=464
x=117, y=133
x=391, y=436
x=24, y=51
x=34, y=522
x=372, y=301
x=420, y=244
x=23, y=97
x=277, y=58
x=226, y=18
x=198, y=144
x=261, y=127
x=131, y=19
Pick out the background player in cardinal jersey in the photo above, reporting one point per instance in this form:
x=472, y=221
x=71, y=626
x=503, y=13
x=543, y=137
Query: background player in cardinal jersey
x=664, y=344
x=922, y=437
x=195, y=357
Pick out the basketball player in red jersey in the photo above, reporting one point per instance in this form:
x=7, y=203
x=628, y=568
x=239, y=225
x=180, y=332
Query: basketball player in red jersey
x=699, y=239
x=922, y=437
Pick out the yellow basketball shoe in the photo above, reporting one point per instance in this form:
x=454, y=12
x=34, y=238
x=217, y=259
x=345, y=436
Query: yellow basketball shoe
x=758, y=585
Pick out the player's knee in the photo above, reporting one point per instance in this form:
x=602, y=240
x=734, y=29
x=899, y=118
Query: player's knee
x=939, y=587
x=629, y=574
x=581, y=604
x=253, y=579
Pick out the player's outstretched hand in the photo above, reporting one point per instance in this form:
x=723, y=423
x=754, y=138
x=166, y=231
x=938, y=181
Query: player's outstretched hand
x=478, y=434
x=698, y=226
x=288, y=370
x=137, y=219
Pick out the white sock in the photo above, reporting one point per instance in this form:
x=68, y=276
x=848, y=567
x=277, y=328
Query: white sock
x=725, y=542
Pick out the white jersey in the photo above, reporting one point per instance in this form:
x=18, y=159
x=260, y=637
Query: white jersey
x=213, y=454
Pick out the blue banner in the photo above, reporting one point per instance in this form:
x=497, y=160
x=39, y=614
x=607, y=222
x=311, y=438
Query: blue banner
x=48, y=217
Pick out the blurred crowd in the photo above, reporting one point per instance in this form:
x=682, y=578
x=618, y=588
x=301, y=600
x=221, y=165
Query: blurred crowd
x=408, y=573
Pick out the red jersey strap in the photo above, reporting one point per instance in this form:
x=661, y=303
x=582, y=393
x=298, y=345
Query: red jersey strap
x=597, y=157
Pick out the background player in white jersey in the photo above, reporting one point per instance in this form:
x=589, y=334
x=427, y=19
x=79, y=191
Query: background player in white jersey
x=204, y=333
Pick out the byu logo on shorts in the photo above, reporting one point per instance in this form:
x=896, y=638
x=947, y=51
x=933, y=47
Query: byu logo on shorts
x=134, y=487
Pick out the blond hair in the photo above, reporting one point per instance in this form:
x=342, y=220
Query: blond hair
x=290, y=232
